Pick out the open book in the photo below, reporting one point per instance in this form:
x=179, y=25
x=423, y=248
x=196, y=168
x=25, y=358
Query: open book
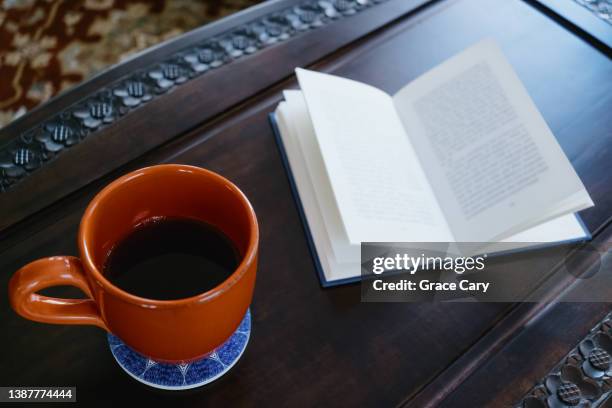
x=460, y=154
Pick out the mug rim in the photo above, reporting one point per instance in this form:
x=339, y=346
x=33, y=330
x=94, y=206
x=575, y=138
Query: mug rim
x=236, y=275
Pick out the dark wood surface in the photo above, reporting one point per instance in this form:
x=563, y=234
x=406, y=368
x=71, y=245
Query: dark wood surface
x=311, y=345
x=581, y=18
x=167, y=116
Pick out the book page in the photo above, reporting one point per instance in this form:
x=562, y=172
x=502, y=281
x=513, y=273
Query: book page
x=380, y=189
x=308, y=161
x=321, y=233
x=494, y=164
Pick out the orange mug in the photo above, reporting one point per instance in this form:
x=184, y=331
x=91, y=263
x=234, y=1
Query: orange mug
x=180, y=330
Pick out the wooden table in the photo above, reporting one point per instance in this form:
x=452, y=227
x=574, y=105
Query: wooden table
x=204, y=101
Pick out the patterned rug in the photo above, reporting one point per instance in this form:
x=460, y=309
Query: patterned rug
x=48, y=46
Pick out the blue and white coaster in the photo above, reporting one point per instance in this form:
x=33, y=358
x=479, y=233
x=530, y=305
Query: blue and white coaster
x=183, y=376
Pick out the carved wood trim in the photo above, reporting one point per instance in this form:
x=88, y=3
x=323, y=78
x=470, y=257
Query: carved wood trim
x=33, y=148
x=600, y=8
x=582, y=378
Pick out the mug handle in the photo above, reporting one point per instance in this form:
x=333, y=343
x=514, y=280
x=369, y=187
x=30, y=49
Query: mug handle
x=47, y=272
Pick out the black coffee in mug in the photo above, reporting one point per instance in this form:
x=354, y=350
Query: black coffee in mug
x=171, y=258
